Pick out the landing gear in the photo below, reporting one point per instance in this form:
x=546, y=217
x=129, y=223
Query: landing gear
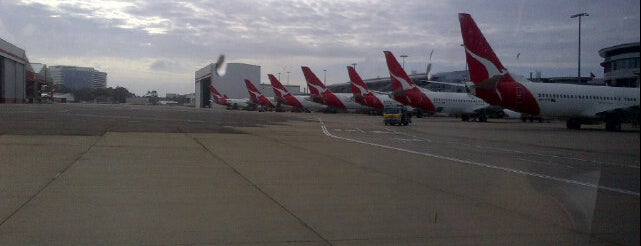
x=573, y=123
x=483, y=117
x=480, y=116
x=419, y=113
x=612, y=124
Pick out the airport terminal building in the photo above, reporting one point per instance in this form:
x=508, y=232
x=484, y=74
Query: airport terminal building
x=621, y=64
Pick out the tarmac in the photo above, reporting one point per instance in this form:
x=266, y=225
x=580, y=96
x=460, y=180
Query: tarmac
x=151, y=175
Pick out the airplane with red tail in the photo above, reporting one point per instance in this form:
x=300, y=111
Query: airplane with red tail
x=229, y=102
x=364, y=96
x=298, y=102
x=408, y=93
x=320, y=94
x=580, y=104
x=257, y=97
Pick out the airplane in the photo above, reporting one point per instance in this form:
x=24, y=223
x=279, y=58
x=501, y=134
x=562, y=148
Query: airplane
x=580, y=104
x=507, y=114
x=228, y=102
x=257, y=97
x=298, y=102
x=364, y=96
x=408, y=93
x=321, y=94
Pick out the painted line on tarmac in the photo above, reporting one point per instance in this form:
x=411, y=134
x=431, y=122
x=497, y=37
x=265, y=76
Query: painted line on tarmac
x=633, y=166
x=546, y=155
x=516, y=171
x=138, y=118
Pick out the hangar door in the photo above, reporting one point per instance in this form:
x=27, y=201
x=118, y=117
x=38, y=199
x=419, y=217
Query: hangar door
x=205, y=93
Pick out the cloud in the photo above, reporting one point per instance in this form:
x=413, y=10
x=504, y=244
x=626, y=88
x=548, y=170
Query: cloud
x=170, y=66
x=176, y=38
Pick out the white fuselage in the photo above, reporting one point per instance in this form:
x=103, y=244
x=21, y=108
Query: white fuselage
x=571, y=100
x=240, y=103
x=386, y=100
x=454, y=102
x=348, y=100
x=308, y=104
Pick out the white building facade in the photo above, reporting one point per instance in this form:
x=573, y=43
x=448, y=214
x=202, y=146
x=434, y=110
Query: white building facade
x=231, y=84
x=621, y=64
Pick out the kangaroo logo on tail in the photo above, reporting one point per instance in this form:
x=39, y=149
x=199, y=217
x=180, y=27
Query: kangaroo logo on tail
x=315, y=85
x=485, y=67
x=253, y=92
x=358, y=86
x=279, y=89
x=359, y=89
x=400, y=80
x=490, y=68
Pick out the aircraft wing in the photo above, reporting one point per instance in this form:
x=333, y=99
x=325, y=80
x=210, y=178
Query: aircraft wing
x=601, y=109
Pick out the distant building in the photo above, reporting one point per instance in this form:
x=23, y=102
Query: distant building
x=569, y=80
x=63, y=97
x=99, y=80
x=232, y=84
x=13, y=66
x=171, y=95
x=138, y=100
x=192, y=99
x=621, y=64
x=420, y=79
x=74, y=77
x=268, y=90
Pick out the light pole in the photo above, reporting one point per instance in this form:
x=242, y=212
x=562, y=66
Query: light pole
x=403, y=56
x=578, y=76
x=324, y=76
x=279, y=77
x=287, y=77
x=354, y=65
x=467, y=71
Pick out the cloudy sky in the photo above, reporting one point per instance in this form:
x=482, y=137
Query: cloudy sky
x=159, y=44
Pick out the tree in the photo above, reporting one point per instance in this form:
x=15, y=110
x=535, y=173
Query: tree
x=109, y=95
x=84, y=94
x=120, y=94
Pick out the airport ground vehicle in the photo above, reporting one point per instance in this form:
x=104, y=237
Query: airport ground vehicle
x=396, y=116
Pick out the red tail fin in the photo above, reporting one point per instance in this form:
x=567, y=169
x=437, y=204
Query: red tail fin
x=253, y=91
x=279, y=89
x=481, y=59
x=358, y=86
x=400, y=79
x=213, y=90
x=316, y=87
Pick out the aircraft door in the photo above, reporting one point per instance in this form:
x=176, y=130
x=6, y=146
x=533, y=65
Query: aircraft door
x=519, y=95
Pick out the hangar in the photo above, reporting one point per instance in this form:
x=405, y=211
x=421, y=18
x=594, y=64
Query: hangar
x=231, y=84
x=13, y=64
